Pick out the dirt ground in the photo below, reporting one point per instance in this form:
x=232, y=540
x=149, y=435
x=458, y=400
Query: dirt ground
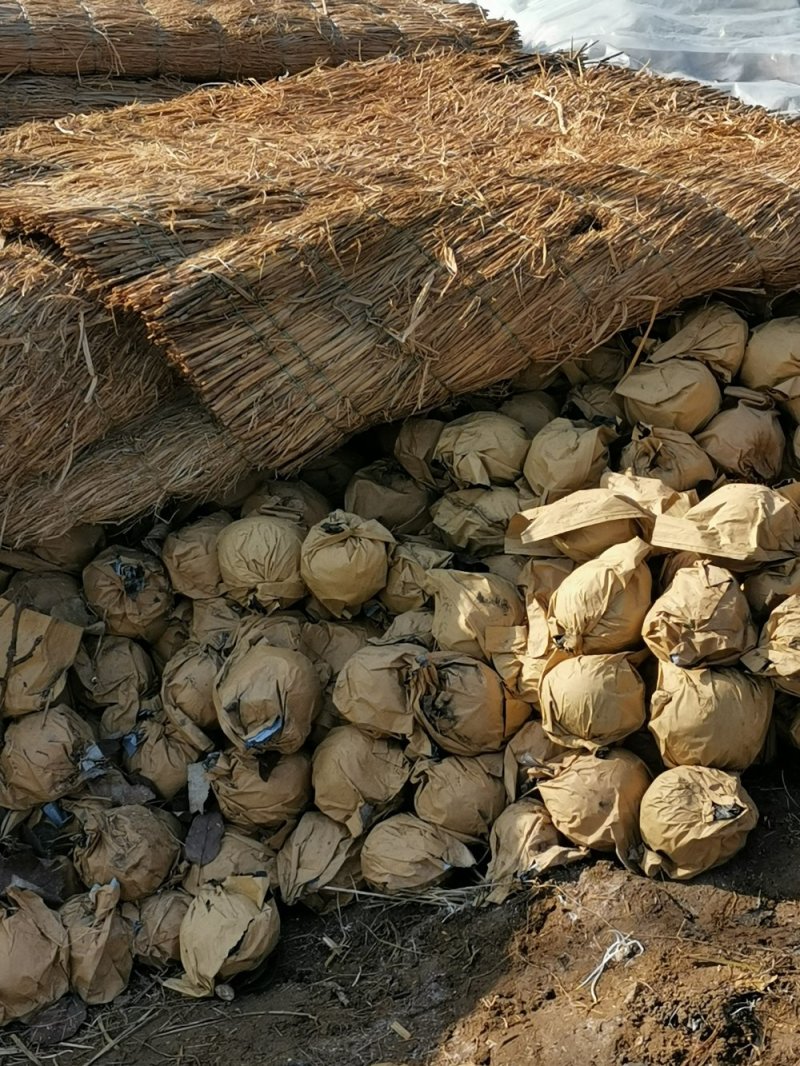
x=711, y=977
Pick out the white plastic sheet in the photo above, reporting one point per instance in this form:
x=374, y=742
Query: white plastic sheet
x=750, y=48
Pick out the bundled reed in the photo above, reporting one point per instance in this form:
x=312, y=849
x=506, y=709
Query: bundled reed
x=71, y=371
x=228, y=39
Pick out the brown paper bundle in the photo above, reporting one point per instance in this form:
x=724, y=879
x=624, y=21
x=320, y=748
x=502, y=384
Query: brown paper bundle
x=36, y=652
x=137, y=845
x=266, y=698
x=268, y=793
x=466, y=604
x=746, y=440
x=669, y=455
x=156, y=925
x=228, y=929
x=650, y=493
x=344, y=562
x=335, y=643
x=482, y=449
x=462, y=704
x=475, y=520
x=34, y=955
x=415, y=450
x=692, y=819
x=383, y=491
x=585, y=523
x=259, y=560
x=410, y=627
x=117, y=674
x=677, y=394
x=772, y=360
x=715, y=335
x=42, y=756
x=160, y=749
x=187, y=685
x=605, y=364
x=190, y=556
x=508, y=648
x=176, y=633
x=74, y=549
x=703, y=619
x=372, y=689
x=524, y=844
x=509, y=567
x=459, y=794
x=294, y=498
x=591, y=701
x=742, y=526
x=130, y=591
x=318, y=858
x=566, y=456
x=358, y=778
x=769, y=587
x=592, y=400
x=595, y=801
x=777, y=655
x=214, y=622
x=55, y=594
x=717, y=718
x=404, y=854
x=527, y=756
x=599, y=608
x=406, y=583
x=541, y=579
x=532, y=410
x=100, y=944
x=238, y=856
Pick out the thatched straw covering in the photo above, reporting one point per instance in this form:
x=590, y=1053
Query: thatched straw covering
x=70, y=370
x=25, y=97
x=178, y=452
x=310, y=281
x=224, y=39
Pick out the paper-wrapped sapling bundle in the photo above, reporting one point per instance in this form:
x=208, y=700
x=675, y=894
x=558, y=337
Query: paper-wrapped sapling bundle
x=605, y=364
x=156, y=923
x=293, y=499
x=703, y=619
x=404, y=854
x=509, y=648
x=745, y=439
x=44, y=756
x=777, y=655
x=669, y=455
x=266, y=793
x=371, y=692
x=214, y=622
x=524, y=844
x=676, y=394
x=527, y=757
x=50, y=593
x=136, y=845
x=463, y=705
x=72, y=550
x=228, y=929
x=34, y=955
x=415, y=449
x=100, y=944
x=692, y=819
x=772, y=361
x=715, y=718
x=533, y=410
x=715, y=335
x=460, y=794
x=335, y=643
x=595, y=801
x=344, y=562
x=130, y=591
x=238, y=855
x=482, y=449
x=175, y=634
x=266, y=698
x=358, y=778
x=160, y=749
x=591, y=400
x=115, y=675
x=407, y=580
x=475, y=520
x=742, y=527
x=566, y=456
x=768, y=588
x=591, y=701
x=385, y=492
x=466, y=604
x=187, y=684
x=190, y=556
x=318, y=860
x=259, y=560
x=599, y=608
x=36, y=652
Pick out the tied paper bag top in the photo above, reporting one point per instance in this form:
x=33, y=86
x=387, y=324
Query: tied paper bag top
x=404, y=853
x=475, y=520
x=190, y=556
x=483, y=449
x=34, y=955
x=260, y=792
x=566, y=456
x=259, y=560
x=130, y=591
x=670, y=455
x=46, y=755
x=383, y=491
x=406, y=583
x=463, y=795
x=715, y=335
x=467, y=604
x=772, y=360
x=318, y=857
x=36, y=651
x=344, y=561
x=292, y=499
x=745, y=439
x=100, y=944
x=777, y=655
x=677, y=394
x=371, y=692
x=187, y=685
x=415, y=449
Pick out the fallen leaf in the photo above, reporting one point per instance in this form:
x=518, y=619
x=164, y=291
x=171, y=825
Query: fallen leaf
x=58, y=1022
x=204, y=838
